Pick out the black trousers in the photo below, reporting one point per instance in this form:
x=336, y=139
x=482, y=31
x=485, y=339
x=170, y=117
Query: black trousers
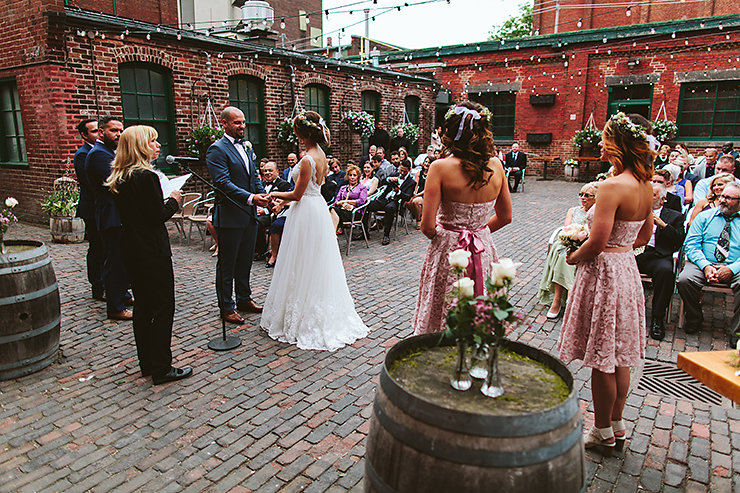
x=390, y=207
x=262, y=244
x=660, y=268
x=94, y=257
x=153, y=283
x=115, y=277
x=516, y=176
x=236, y=250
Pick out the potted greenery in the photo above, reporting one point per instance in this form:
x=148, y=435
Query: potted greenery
x=587, y=137
x=61, y=204
x=410, y=130
x=285, y=135
x=200, y=139
x=360, y=122
x=664, y=130
x=570, y=168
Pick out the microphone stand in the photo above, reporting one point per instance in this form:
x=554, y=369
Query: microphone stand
x=224, y=342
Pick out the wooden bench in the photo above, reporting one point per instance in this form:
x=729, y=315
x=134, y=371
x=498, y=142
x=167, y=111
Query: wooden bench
x=545, y=160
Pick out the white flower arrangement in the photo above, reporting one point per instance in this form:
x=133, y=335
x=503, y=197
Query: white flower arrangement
x=571, y=162
x=360, y=122
x=624, y=122
x=485, y=113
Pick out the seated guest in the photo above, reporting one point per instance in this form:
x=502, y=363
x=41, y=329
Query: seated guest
x=667, y=173
x=725, y=164
x=384, y=169
x=515, y=162
x=292, y=161
x=417, y=199
x=399, y=189
x=657, y=259
x=351, y=195
x=672, y=201
x=404, y=156
x=272, y=183
x=329, y=187
x=280, y=209
x=368, y=179
x=557, y=275
x=662, y=158
x=704, y=167
x=672, y=156
x=713, y=253
x=711, y=201
x=369, y=156
x=335, y=172
x=685, y=178
x=420, y=158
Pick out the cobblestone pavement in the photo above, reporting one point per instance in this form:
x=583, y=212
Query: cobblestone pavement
x=270, y=417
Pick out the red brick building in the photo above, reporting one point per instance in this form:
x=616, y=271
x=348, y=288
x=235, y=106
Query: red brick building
x=542, y=89
x=60, y=64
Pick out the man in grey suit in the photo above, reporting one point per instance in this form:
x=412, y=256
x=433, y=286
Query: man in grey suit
x=230, y=161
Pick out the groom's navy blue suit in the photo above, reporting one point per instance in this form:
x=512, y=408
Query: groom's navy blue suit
x=237, y=225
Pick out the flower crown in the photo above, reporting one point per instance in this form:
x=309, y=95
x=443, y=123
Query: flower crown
x=637, y=131
x=485, y=112
x=302, y=117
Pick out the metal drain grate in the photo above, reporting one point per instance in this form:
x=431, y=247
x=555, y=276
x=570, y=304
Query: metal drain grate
x=668, y=380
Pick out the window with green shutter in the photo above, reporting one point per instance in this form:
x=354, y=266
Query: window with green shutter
x=411, y=104
x=317, y=99
x=248, y=94
x=146, y=98
x=12, y=140
x=503, y=109
x=370, y=101
x=709, y=110
x=634, y=98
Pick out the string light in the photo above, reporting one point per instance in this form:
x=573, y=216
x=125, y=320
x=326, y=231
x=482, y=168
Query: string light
x=580, y=22
x=282, y=23
x=629, y=11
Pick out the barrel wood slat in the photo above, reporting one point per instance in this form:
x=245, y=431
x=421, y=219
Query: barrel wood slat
x=30, y=314
x=414, y=445
x=67, y=229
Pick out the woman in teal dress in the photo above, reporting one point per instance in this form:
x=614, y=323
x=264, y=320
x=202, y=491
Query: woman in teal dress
x=557, y=275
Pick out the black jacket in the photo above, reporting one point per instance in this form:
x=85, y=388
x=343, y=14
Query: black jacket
x=86, y=204
x=521, y=160
x=670, y=238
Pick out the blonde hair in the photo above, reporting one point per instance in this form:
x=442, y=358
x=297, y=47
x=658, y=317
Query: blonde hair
x=354, y=168
x=133, y=153
x=725, y=177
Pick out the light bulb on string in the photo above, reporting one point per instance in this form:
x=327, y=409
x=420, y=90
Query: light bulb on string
x=148, y=36
x=629, y=11
x=673, y=35
x=580, y=22
x=179, y=36
x=282, y=23
x=308, y=19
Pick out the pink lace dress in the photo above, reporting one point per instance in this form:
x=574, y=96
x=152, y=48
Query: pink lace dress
x=455, y=221
x=604, y=321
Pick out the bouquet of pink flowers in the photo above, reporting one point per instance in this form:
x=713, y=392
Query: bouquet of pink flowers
x=573, y=235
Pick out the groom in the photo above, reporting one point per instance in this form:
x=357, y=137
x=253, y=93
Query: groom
x=230, y=162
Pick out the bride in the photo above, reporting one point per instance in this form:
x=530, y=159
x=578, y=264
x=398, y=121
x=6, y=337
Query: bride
x=308, y=303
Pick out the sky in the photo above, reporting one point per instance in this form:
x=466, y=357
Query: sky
x=436, y=23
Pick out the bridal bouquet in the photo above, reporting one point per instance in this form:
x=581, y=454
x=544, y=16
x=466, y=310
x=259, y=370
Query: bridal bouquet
x=573, y=236
x=481, y=320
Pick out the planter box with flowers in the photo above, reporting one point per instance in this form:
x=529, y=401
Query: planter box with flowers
x=410, y=131
x=570, y=168
x=528, y=438
x=61, y=204
x=360, y=122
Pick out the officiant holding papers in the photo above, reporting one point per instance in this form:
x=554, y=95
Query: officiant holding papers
x=145, y=248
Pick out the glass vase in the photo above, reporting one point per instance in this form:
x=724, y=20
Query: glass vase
x=479, y=361
x=460, y=379
x=492, y=385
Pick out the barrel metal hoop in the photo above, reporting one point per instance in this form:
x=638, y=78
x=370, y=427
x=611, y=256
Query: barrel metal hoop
x=25, y=267
x=28, y=296
x=476, y=457
x=27, y=365
x=378, y=484
x=38, y=250
x=67, y=233
x=30, y=333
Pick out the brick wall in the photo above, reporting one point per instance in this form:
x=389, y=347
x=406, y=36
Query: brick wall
x=289, y=9
x=600, y=13
x=55, y=96
x=155, y=11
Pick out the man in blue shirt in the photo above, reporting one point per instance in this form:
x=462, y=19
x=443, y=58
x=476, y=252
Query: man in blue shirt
x=713, y=252
x=725, y=164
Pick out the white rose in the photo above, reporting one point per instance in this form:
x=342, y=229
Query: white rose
x=466, y=287
x=504, y=270
x=11, y=202
x=459, y=258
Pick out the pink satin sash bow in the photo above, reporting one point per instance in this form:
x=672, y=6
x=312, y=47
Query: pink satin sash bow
x=469, y=242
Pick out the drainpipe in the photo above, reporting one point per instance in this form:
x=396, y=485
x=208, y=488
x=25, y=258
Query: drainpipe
x=557, y=15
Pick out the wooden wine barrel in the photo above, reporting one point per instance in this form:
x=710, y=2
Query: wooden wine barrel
x=415, y=445
x=67, y=229
x=30, y=313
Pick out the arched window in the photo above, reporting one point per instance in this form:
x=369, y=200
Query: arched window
x=248, y=94
x=411, y=104
x=371, y=103
x=317, y=99
x=146, y=98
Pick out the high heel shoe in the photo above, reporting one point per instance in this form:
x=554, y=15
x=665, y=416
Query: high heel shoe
x=601, y=440
x=620, y=434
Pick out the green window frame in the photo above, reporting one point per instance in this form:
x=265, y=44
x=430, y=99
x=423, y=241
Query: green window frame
x=370, y=103
x=633, y=98
x=317, y=99
x=146, y=99
x=502, y=105
x=12, y=138
x=248, y=94
x=412, y=104
x=709, y=110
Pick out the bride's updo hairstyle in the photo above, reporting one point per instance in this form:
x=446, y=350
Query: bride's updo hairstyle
x=627, y=142
x=309, y=125
x=466, y=135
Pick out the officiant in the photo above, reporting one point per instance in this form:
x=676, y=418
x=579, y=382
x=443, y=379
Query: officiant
x=145, y=247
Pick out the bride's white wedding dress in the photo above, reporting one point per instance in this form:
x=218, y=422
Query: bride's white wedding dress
x=309, y=303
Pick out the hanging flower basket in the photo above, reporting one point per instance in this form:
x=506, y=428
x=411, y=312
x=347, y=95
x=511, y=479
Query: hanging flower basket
x=410, y=130
x=360, y=122
x=664, y=130
x=285, y=135
x=588, y=137
x=200, y=139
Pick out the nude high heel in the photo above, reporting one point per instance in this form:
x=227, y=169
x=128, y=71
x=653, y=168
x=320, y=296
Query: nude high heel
x=601, y=440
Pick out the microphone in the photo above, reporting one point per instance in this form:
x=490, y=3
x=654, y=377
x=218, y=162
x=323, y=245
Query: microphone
x=173, y=159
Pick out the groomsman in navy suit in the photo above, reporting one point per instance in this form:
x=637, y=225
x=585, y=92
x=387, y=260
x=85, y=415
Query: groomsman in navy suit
x=88, y=130
x=107, y=220
x=230, y=161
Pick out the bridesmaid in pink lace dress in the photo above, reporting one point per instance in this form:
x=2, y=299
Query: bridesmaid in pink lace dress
x=604, y=321
x=462, y=191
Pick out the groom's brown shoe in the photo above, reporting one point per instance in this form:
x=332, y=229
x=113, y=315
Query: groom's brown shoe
x=232, y=317
x=249, y=306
